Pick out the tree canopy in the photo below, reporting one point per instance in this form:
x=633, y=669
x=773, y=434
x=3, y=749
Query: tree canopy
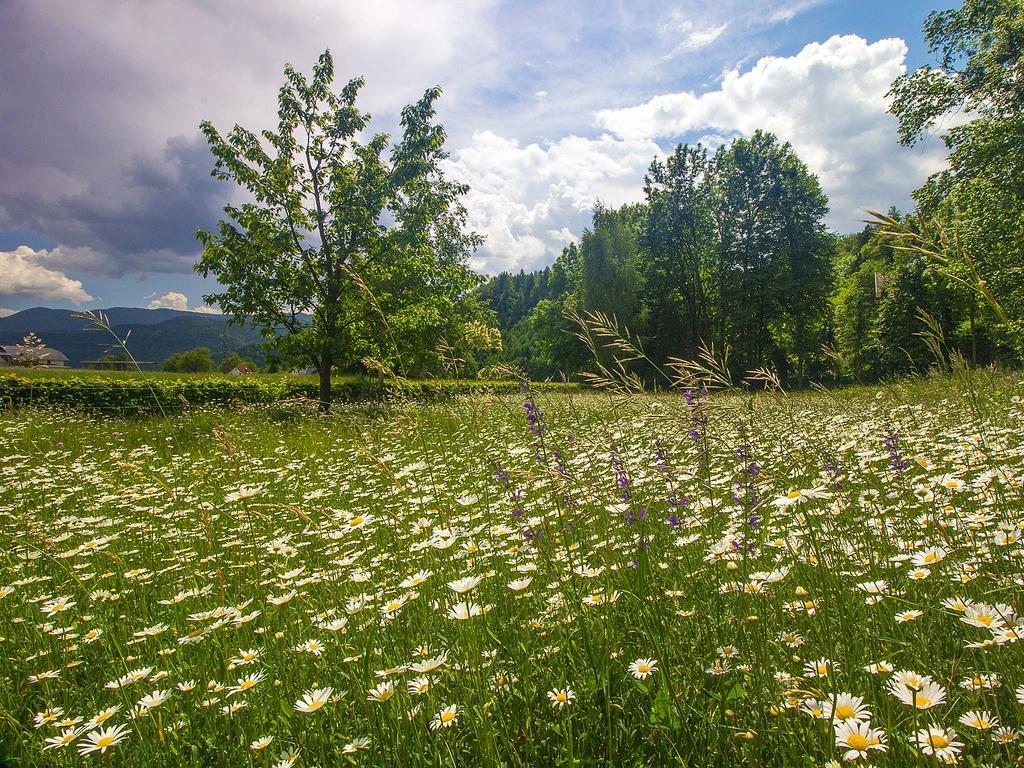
x=349, y=249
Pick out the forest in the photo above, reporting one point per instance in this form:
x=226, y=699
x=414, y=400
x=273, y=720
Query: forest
x=728, y=253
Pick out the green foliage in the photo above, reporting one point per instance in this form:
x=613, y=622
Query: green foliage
x=311, y=261
x=233, y=360
x=979, y=198
x=728, y=250
x=198, y=360
x=129, y=394
x=612, y=274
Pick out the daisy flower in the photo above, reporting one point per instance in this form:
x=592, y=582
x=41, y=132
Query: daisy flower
x=429, y=665
x=462, y=586
x=939, y=742
x=847, y=707
x=858, y=738
x=1005, y=735
x=247, y=682
x=641, y=669
x=907, y=616
x=313, y=699
x=929, y=695
x=415, y=580
x=980, y=720
x=984, y=616
x=419, y=686
x=561, y=697
x=102, y=716
x=463, y=611
x=819, y=668
x=66, y=736
x=381, y=693
x=355, y=745
x=102, y=739
x=153, y=700
x=247, y=656
x=446, y=718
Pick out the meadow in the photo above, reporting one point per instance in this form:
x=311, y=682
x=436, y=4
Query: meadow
x=534, y=579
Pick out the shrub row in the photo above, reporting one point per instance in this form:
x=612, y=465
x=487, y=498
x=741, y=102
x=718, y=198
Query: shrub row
x=151, y=394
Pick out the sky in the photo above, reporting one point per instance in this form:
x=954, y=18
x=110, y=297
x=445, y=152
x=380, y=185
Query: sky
x=549, y=106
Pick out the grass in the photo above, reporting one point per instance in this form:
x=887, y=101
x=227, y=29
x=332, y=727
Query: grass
x=593, y=580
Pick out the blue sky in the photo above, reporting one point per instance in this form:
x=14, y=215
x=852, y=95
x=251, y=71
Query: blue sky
x=549, y=106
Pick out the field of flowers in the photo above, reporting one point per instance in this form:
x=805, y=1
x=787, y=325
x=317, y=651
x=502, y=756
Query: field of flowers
x=533, y=580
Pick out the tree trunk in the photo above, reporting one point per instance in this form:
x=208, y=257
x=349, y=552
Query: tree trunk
x=326, y=362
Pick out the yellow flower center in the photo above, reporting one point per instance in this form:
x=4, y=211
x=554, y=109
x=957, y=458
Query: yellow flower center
x=356, y=521
x=938, y=741
x=845, y=711
x=561, y=696
x=921, y=701
x=315, y=705
x=857, y=741
x=104, y=741
x=447, y=717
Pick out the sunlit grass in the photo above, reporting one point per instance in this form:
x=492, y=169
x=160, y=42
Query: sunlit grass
x=591, y=580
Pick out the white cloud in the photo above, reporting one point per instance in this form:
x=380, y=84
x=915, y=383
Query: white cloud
x=828, y=100
x=699, y=38
x=528, y=200
x=790, y=10
x=179, y=301
x=170, y=300
x=694, y=38
x=25, y=273
x=5, y=312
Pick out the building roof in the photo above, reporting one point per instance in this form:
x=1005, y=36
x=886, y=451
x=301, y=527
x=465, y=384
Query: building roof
x=45, y=353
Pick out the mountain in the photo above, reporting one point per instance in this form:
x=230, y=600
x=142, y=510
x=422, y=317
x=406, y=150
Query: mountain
x=155, y=333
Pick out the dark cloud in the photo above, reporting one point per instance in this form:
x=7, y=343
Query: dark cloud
x=150, y=228
x=100, y=104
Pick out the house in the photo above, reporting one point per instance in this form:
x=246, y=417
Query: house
x=240, y=370
x=45, y=357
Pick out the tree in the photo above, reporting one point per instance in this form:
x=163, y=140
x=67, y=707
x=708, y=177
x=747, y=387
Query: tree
x=679, y=240
x=232, y=360
x=773, y=264
x=611, y=276
x=341, y=254
x=198, y=360
x=979, y=198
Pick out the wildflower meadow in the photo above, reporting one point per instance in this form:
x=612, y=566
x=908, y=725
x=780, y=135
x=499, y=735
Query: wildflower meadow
x=533, y=579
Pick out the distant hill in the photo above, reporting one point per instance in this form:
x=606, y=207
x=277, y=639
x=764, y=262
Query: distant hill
x=155, y=333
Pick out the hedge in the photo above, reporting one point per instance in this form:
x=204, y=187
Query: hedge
x=140, y=394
